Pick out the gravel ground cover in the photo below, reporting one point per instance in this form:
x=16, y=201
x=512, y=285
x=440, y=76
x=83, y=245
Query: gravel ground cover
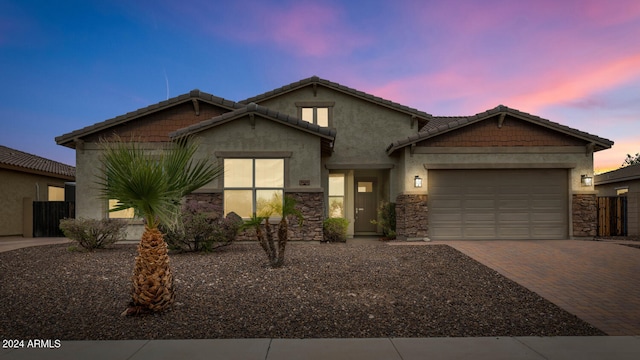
x=323, y=291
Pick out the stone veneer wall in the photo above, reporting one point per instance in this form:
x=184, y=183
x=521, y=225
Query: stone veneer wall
x=411, y=217
x=310, y=204
x=585, y=215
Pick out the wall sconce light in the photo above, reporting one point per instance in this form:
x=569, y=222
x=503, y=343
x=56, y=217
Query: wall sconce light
x=586, y=180
x=417, y=181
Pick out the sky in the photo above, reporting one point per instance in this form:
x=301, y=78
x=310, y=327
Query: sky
x=65, y=65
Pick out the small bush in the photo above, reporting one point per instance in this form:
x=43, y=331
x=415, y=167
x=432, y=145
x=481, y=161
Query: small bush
x=94, y=233
x=387, y=216
x=335, y=229
x=201, y=230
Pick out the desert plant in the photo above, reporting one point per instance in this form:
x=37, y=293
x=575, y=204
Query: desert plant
x=387, y=216
x=335, y=229
x=264, y=232
x=153, y=185
x=199, y=229
x=93, y=234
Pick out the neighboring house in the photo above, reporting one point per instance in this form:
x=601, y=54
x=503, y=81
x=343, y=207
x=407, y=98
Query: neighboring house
x=623, y=182
x=500, y=174
x=25, y=178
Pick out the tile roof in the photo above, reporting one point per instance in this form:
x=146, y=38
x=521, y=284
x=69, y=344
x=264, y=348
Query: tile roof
x=627, y=173
x=193, y=94
x=441, y=124
x=323, y=132
x=22, y=161
x=333, y=85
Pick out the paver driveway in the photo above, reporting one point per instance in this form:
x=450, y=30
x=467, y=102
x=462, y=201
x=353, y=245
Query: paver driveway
x=597, y=281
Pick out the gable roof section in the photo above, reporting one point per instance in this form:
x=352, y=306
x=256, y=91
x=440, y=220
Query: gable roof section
x=627, y=173
x=16, y=160
x=327, y=135
x=422, y=116
x=193, y=95
x=443, y=124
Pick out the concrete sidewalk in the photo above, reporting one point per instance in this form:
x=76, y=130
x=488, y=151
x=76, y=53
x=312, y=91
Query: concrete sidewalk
x=584, y=348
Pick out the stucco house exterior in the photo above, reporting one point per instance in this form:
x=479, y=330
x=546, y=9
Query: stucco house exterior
x=25, y=178
x=623, y=182
x=499, y=174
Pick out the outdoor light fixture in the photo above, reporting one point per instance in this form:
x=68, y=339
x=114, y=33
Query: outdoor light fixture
x=586, y=180
x=417, y=181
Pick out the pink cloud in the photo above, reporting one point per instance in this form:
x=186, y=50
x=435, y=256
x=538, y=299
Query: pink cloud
x=304, y=28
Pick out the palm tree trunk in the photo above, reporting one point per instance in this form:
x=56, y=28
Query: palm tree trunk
x=152, y=278
x=283, y=237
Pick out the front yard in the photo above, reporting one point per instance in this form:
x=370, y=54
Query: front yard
x=324, y=290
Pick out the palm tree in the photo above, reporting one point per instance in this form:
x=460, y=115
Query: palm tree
x=153, y=184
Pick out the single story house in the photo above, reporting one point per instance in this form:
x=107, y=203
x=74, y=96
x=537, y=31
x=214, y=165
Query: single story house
x=499, y=174
x=25, y=178
x=623, y=182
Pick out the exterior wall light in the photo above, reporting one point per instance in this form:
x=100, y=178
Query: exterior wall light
x=586, y=180
x=417, y=181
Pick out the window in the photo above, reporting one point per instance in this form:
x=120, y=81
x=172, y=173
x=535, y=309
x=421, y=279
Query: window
x=121, y=214
x=336, y=195
x=253, y=186
x=56, y=193
x=318, y=113
x=318, y=116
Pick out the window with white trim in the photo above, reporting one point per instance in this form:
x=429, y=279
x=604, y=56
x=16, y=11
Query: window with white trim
x=253, y=186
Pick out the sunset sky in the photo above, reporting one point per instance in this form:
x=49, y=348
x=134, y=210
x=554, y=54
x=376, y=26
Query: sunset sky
x=65, y=65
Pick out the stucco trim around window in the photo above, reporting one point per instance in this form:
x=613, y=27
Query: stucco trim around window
x=253, y=154
x=358, y=166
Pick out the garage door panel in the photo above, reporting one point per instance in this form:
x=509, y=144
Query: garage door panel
x=479, y=204
x=479, y=232
x=498, y=204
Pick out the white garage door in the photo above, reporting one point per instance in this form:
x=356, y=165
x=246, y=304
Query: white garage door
x=498, y=204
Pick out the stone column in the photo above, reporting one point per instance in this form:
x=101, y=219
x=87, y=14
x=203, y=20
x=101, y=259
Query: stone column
x=585, y=215
x=412, y=222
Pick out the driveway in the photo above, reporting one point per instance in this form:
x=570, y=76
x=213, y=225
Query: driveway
x=598, y=281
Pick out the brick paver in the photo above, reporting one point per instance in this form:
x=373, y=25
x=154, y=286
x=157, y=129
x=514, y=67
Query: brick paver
x=597, y=281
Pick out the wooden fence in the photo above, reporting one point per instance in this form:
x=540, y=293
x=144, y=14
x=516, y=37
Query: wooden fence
x=47, y=216
x=612, y=216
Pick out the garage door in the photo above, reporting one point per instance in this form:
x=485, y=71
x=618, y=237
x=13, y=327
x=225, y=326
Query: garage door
x=498, y=204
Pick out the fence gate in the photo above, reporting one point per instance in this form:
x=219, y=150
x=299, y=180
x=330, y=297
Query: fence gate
x=612, y=216
x=47, y=216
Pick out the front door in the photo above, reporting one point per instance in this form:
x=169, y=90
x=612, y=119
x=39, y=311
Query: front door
x=365, y=205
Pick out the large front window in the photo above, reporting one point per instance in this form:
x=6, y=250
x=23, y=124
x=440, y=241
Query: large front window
x=253, y=186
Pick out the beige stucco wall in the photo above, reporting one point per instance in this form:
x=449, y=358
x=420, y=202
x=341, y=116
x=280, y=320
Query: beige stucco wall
x=267, y=137
x=364, y=129
x=14, y=187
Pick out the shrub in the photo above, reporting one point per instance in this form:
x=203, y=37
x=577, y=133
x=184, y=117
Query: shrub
x=199, y=229
x=94, y=233
x=335, y=229
x=387, y=216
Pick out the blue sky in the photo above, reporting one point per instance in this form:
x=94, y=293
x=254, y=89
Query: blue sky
x=70, y=64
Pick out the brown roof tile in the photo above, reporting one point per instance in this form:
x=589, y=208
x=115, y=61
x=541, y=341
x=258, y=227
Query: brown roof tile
x=19, y=160
x=193, y=94
x=441, y=124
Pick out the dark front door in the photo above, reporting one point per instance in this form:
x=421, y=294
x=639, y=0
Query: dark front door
x=365, y=202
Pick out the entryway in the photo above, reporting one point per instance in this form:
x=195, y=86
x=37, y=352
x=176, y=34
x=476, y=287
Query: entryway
x=366, y=201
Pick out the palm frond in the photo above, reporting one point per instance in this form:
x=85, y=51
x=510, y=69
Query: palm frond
x=153, y=185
